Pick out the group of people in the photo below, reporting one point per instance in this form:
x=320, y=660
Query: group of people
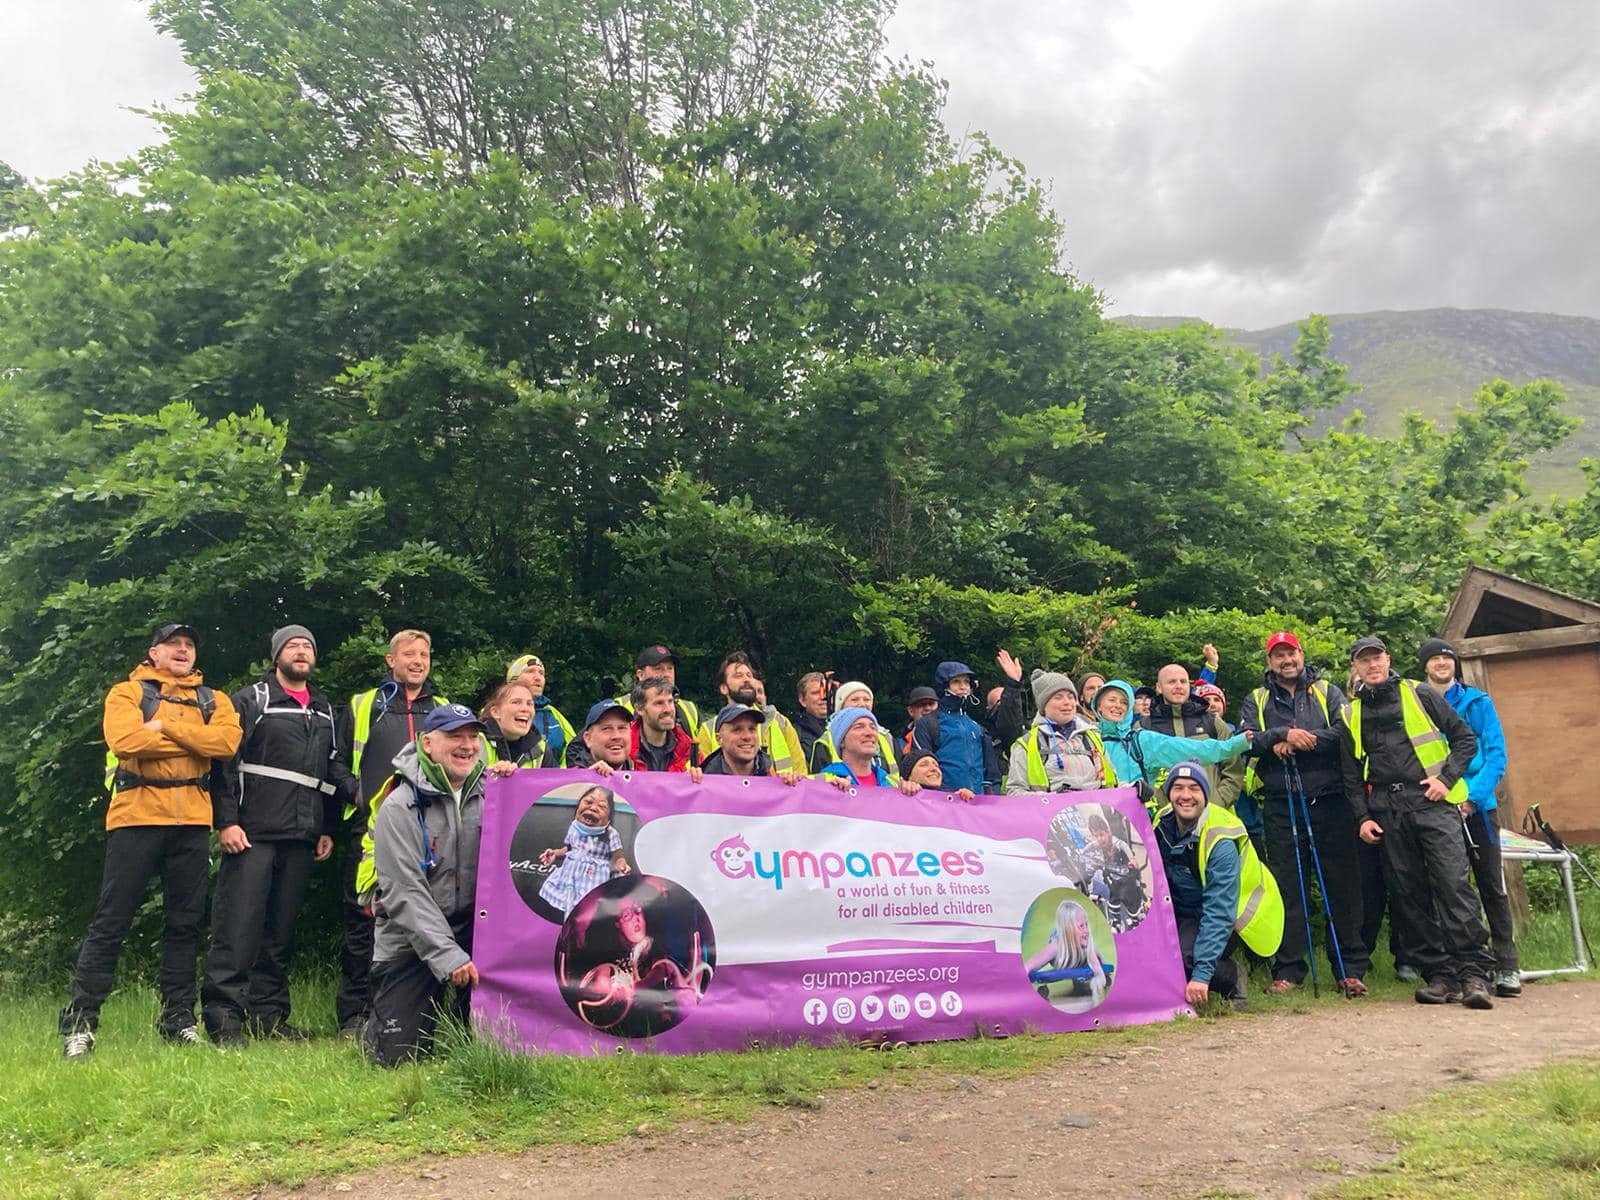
x=1387, y=798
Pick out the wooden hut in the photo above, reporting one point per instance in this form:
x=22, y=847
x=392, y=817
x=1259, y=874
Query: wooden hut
x=1537, y=653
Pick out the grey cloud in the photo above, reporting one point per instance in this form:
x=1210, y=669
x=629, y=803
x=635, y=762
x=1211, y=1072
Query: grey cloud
x=1248, y=161
x=1274, y=159
x=73, y=70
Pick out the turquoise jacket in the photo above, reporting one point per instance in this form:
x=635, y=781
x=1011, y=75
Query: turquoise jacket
x=1137, y=754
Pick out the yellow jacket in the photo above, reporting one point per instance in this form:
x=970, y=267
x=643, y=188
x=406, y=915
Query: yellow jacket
x=181, y=750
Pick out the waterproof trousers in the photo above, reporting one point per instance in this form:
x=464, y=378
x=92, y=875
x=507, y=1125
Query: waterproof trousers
x=1333, y=828
x=181, y=856
x=258, y=896
x=1427, y=876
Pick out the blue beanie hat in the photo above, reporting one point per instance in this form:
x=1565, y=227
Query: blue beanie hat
x=1189, y=769
x=840, y=722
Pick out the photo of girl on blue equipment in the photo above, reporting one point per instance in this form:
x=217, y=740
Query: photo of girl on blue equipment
x=1068, y=950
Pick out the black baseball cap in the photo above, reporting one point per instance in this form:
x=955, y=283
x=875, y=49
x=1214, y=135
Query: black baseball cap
x=918, y=694
x=1362, y=645
x=654, y=656
x=165, y=633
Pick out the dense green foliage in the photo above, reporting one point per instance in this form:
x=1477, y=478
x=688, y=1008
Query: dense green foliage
x=512, y=336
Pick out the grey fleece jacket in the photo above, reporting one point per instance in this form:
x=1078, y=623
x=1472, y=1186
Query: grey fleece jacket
x=414, y=906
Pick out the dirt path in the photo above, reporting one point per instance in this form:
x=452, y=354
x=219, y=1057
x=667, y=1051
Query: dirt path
x=1285, y=1092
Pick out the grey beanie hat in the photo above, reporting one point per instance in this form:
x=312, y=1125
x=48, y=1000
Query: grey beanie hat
x=282, y=637
x=1047, y=684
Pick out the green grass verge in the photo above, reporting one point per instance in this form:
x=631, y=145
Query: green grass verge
x=143, y=1119
x=1532, y=1136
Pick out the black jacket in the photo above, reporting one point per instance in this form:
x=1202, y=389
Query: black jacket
x=1005, y=722
x=529, y=750
x=1391, y=759
x=717, y=764
x=1319, y=767
x=810, y=729
x=394, y=725
x=283, y=739
x=1192, y=719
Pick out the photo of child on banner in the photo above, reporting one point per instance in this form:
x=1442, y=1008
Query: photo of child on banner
x=575, y=838
x=1094, y=848
x=1068, y=950
x=635, y=956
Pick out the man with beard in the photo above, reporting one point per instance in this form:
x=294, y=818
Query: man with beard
x=1404, y=757
x=658, y=662
x=1296, y=716
x=736, y=680
x=277, y=809
x=1442, y=667
x=658, y=741
x=164, y=730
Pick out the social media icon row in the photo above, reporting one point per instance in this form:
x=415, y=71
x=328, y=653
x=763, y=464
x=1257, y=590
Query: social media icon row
x=872, y=1008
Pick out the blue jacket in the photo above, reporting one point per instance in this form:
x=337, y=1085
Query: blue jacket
x=545, y=721
x=841, y=769
x=1488, y=766
x=1212, y=907
x=965, y=753
x=1128, y=746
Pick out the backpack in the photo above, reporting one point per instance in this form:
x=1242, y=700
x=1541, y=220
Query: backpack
x=150, y=699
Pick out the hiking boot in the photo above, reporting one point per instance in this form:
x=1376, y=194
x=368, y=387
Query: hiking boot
x=1352, y=987
x=1240, y=999
x=228, y=1037
x=78, y=1046
x=189, y=1035
x=1280, y=986
x=1508, y=983
x=1407, y=974
x=1440, y=991
x=1475, y=994
x=352, y=1029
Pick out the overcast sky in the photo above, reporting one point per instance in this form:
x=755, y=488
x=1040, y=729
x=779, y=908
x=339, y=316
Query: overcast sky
x=1245, y=161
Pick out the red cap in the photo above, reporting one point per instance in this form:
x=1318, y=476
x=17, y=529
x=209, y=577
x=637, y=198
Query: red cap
x=1282, y=638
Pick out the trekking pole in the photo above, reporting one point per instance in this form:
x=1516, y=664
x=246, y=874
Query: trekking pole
x=1322, y=885
x=1300, y=874
x=1533, y=820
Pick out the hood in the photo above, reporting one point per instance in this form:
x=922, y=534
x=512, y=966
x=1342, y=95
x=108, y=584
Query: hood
x=1118, y=729
x=146, y=671
x=946, y=671
x=427, y=777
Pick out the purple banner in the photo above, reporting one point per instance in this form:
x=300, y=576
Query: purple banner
x=650, y=912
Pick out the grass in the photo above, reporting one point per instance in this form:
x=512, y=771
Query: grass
x=143, y=1119
x=1533, y=1136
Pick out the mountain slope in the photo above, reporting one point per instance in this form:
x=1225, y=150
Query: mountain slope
x=1434, y=359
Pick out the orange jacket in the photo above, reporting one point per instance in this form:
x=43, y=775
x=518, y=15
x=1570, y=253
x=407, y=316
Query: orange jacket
x=183, y=749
